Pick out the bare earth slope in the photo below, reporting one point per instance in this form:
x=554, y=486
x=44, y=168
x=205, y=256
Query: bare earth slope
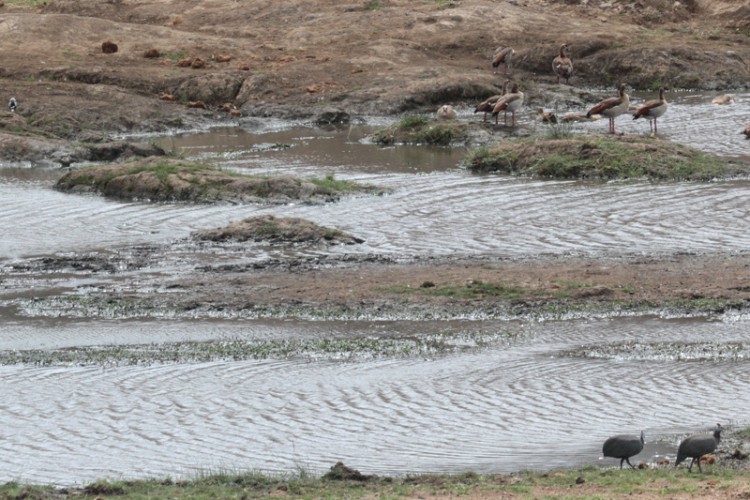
x=294, y=58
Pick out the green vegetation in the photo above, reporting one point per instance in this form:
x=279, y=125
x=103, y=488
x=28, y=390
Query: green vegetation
x=25, y=3
x=476, y=289
x=172, y=179
x=601, y=158
x=590, y=482
x=422, y=130
x=239, y=350
x=331, y=185
x=447, y=4
x=373, y=5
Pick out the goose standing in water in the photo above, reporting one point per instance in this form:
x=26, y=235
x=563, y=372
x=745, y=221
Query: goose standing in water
x=651, y=110
x=562, y=65
x=503, y=55
x=489, y=103
x=612, y=107
x=509, y=102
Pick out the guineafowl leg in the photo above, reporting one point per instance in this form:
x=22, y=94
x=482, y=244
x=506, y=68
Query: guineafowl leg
x=621, y=461
x=631, y=465
x=698, y=461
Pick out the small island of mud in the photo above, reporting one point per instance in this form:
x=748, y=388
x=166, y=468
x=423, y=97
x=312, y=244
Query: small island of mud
x=168, y=179
x=601, y=158
x=276, y=230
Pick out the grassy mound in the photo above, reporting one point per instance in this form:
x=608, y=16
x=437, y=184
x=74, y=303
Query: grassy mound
x=165, y=179
x=422, y=130
x=276, y=230
x=600, y=158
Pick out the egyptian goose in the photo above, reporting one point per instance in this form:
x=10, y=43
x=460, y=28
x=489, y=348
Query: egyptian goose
x=562, y=65
x=651, y=110
x=446, y=112
x=747, y=131
x=489, y=103
x=612, y=107
x=503, y=55
x=546, y=116
x=511, y=101
x=722, y=99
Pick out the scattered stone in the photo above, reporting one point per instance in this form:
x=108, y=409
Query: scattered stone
x=165, y=96
x=341, y=472
x=198, y=63
x=222, y=57
x=109, y=47
x=151, y=54
x=185, y=62
x=708, y=459
x=580, y=480
x=738, y=454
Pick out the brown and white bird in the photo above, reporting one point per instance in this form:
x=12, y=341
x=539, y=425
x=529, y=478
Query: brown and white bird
x=446, y=112
x=651, y=110
x=546, y=116
x=503, y=55
x=511, y=101
x=722, y=99
x=562, y=65
x=612, y=107
x=489, y=103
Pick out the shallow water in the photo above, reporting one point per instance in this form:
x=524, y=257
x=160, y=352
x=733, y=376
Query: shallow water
x=517, y=403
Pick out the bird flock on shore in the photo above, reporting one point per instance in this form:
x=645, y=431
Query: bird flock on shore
x=512, y=98
x=698, y=447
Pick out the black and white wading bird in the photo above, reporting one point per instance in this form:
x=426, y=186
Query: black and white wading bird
x=12, y=105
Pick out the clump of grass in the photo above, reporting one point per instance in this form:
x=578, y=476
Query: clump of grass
x=601, y=158
x=421, y=130
x=331, y=185
x=373, y=5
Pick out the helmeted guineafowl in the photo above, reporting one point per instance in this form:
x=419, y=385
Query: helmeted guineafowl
x=623, y=447
x=696, y=446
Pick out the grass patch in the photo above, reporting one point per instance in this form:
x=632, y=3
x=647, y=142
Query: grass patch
x=422, y=130
x=581, y=483
x=172, y=179
x=602, y=158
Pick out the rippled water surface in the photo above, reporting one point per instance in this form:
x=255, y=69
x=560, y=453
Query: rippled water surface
x=515, y=402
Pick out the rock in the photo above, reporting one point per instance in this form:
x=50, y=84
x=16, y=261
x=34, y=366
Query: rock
x=222, y=57
x=341, y=472
x=332, y=117
x=109, y=47
x=185, y=62
x=213, y=87
x=151, y=54
x=198, y=63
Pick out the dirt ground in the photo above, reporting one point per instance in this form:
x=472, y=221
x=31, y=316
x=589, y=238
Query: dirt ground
x=290, y=58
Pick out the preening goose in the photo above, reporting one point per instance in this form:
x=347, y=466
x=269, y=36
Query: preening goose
x=651, y=110
x=612, y=107
x=546, y=116
x=488, y=104
x=511, y=101
x=562, y=65
x=503, y=55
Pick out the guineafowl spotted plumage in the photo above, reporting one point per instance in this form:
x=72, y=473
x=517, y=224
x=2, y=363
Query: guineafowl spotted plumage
x=696, y=446
x=623, y=447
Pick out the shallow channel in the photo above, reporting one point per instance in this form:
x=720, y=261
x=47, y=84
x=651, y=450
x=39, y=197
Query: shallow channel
x=513, y=401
